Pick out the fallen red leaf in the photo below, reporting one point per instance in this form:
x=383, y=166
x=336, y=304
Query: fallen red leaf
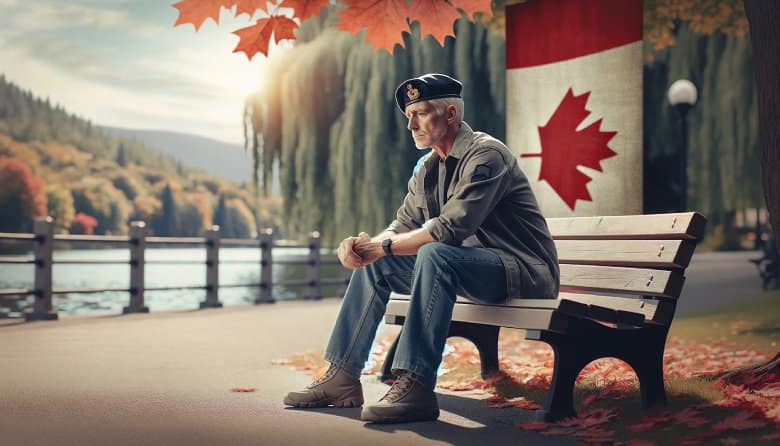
x=533, y=426
x=640, y=442
x=740, y=421
x=774, y=436
x=243, y=389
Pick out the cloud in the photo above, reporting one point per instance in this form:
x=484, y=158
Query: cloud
x=47, y=16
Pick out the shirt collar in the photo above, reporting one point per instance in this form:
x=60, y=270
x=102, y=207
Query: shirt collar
x=459, y=146
x=462, y=140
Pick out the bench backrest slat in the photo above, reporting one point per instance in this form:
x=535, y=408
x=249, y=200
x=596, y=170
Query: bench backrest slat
x=639, y=253
x=642, y=281
x=687, y=225
x=617, y=269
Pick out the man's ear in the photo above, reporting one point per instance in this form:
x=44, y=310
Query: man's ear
x=451, y=114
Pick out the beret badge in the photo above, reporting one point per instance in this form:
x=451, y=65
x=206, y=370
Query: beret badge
x=411, y=92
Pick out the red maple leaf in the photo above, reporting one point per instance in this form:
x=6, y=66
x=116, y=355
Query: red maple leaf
x=385, y=20
x=471, y=7
x=564, y=148
x=435, y=18
x=304, y=8
x=197, y=11
x=249, y=6
x=740, y=421
x=255, y=39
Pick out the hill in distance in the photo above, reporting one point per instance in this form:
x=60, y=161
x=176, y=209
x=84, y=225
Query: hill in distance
x=216, y=158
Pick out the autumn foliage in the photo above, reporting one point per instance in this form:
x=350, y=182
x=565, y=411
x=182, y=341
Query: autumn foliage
x=83, y=224
x=384, y=20
x=22, y=196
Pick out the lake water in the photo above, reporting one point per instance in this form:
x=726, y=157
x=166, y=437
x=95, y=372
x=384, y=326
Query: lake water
x=101, y=275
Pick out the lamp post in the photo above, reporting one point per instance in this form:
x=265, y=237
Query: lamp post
x=682, y=95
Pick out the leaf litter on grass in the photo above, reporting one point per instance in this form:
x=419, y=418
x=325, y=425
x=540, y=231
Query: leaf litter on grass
x=707, y=411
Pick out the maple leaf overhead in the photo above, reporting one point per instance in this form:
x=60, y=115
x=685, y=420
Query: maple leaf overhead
x=436, y=18
x=384, y=19
x=197, y=11
x=305, y=8
x=564, y=148
x=255, y=39
x=249, y=6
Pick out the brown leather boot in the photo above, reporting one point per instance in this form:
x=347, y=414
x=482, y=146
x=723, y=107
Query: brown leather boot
x=406, y=401
x=335, y=388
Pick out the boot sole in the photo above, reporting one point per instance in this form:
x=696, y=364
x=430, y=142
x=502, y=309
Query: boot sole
x=345, y=403
x=370, y=416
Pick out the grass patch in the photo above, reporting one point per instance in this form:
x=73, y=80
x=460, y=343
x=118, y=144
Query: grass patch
x=754, y=324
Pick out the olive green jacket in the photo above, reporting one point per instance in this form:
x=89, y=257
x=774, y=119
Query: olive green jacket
x=489, y=204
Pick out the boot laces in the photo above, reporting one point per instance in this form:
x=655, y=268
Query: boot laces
x=326, y=377
x=400, y=387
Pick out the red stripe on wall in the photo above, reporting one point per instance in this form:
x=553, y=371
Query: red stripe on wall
x=545, y=31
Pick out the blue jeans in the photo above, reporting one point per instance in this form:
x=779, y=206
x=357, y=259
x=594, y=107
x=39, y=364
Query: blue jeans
x=433, y=278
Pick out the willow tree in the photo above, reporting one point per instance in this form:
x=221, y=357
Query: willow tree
x=327, y=119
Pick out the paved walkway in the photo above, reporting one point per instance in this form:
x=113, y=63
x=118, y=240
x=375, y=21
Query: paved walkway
x=165, y=378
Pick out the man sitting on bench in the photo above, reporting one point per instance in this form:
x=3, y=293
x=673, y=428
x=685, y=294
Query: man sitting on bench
x=469, y=226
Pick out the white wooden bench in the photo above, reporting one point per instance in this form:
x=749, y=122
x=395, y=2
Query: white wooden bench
x=620, y=280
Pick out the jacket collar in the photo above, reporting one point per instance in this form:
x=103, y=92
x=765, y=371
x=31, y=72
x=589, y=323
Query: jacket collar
x=462, y=142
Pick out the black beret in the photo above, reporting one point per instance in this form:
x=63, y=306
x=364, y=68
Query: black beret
x=426, y=87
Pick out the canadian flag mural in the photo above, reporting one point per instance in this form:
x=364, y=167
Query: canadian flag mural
x=574, y=103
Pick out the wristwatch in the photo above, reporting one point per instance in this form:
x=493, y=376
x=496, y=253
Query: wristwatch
x=386, y=246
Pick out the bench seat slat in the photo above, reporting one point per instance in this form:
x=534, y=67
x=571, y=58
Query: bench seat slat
x=654, y=311
x=631, y=253
x=649, y=282
x=685, y=225
x=530, y=318
x=600, y=313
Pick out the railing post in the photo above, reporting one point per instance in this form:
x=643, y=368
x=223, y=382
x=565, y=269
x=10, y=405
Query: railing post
x=315, y=290
x=212, y=269
x=137, y=249
x=43, y=248
x=265, y=293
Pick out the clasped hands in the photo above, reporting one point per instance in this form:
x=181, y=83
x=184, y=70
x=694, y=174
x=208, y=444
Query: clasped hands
x=356, y=252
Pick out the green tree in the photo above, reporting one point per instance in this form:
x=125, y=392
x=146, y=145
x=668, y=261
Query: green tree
x=60, y=207
x=168, y=222
x=99, y=198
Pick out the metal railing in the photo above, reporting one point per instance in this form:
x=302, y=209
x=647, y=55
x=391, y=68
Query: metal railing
x=43, y=240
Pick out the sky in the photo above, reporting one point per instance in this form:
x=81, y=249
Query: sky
x=122, y=63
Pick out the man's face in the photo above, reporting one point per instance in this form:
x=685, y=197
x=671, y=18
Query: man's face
x=426, y=125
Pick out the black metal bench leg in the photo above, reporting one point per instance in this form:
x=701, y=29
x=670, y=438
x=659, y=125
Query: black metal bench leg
x=651, y=382
x=646, y=357
x=559, y=403
x=485, y=338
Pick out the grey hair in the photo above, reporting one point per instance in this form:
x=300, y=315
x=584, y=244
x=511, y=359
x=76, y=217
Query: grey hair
x=441, y=104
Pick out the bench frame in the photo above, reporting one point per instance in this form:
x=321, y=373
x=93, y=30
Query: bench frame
x=610, y=331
